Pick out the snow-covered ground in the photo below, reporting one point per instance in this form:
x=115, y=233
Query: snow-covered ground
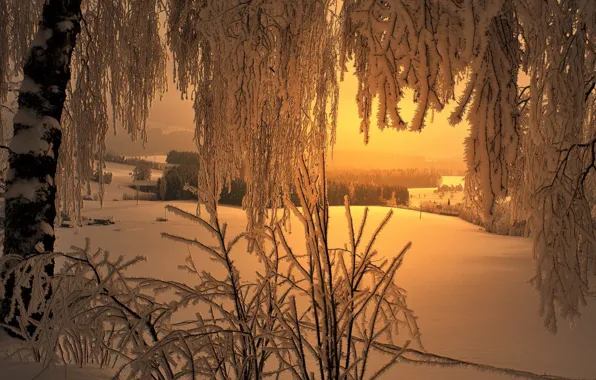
x=468, y=288
x=121, y=181
x=420, y=195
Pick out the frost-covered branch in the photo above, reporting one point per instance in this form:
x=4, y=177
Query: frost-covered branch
x=258, y=103
x=558, y=152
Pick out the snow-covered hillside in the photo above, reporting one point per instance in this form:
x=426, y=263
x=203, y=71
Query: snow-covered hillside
x=121, y=181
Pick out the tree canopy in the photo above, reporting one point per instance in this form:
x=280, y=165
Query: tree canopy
x=264, y=78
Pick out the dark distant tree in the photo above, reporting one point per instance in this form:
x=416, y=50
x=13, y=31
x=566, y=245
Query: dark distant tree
x=176, y=177
x=182, y=158
x=395, y=194
x=142, y=172
x=162, y=186
x=336, y=192
x=173, y=190
x=366, y=195
x=234, y=195
x=107, y=178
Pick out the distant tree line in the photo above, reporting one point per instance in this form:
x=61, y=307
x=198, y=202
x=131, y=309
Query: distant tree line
x=449, y=188
x=133, y=161
x=367, y=194
x=182, y=158
x=409, y=178
x=359, y=195
x=172, y=183
x=173, y=180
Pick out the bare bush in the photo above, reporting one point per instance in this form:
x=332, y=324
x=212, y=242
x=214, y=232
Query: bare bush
x=318, y=311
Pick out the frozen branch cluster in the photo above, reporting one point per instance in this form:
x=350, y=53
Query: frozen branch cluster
x=530, y=152
x=263, y=75
x=432, y=46
x=118, y=68
x=560, y=149
x=94, y=314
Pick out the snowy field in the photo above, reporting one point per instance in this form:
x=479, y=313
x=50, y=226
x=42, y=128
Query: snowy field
x=421, y=195
x=121, y=181
x=468, y=288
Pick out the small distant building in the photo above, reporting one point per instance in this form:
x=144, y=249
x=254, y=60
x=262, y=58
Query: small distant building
x=145, y=186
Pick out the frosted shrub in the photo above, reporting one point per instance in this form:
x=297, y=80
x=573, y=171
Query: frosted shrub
x=323, y=312
x=313, y=313
x=94, y=313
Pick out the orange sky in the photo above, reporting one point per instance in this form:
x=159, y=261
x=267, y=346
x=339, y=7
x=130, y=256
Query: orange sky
x=437, y=140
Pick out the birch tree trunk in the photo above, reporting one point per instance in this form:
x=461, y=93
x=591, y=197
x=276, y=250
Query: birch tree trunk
x=30, y=183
